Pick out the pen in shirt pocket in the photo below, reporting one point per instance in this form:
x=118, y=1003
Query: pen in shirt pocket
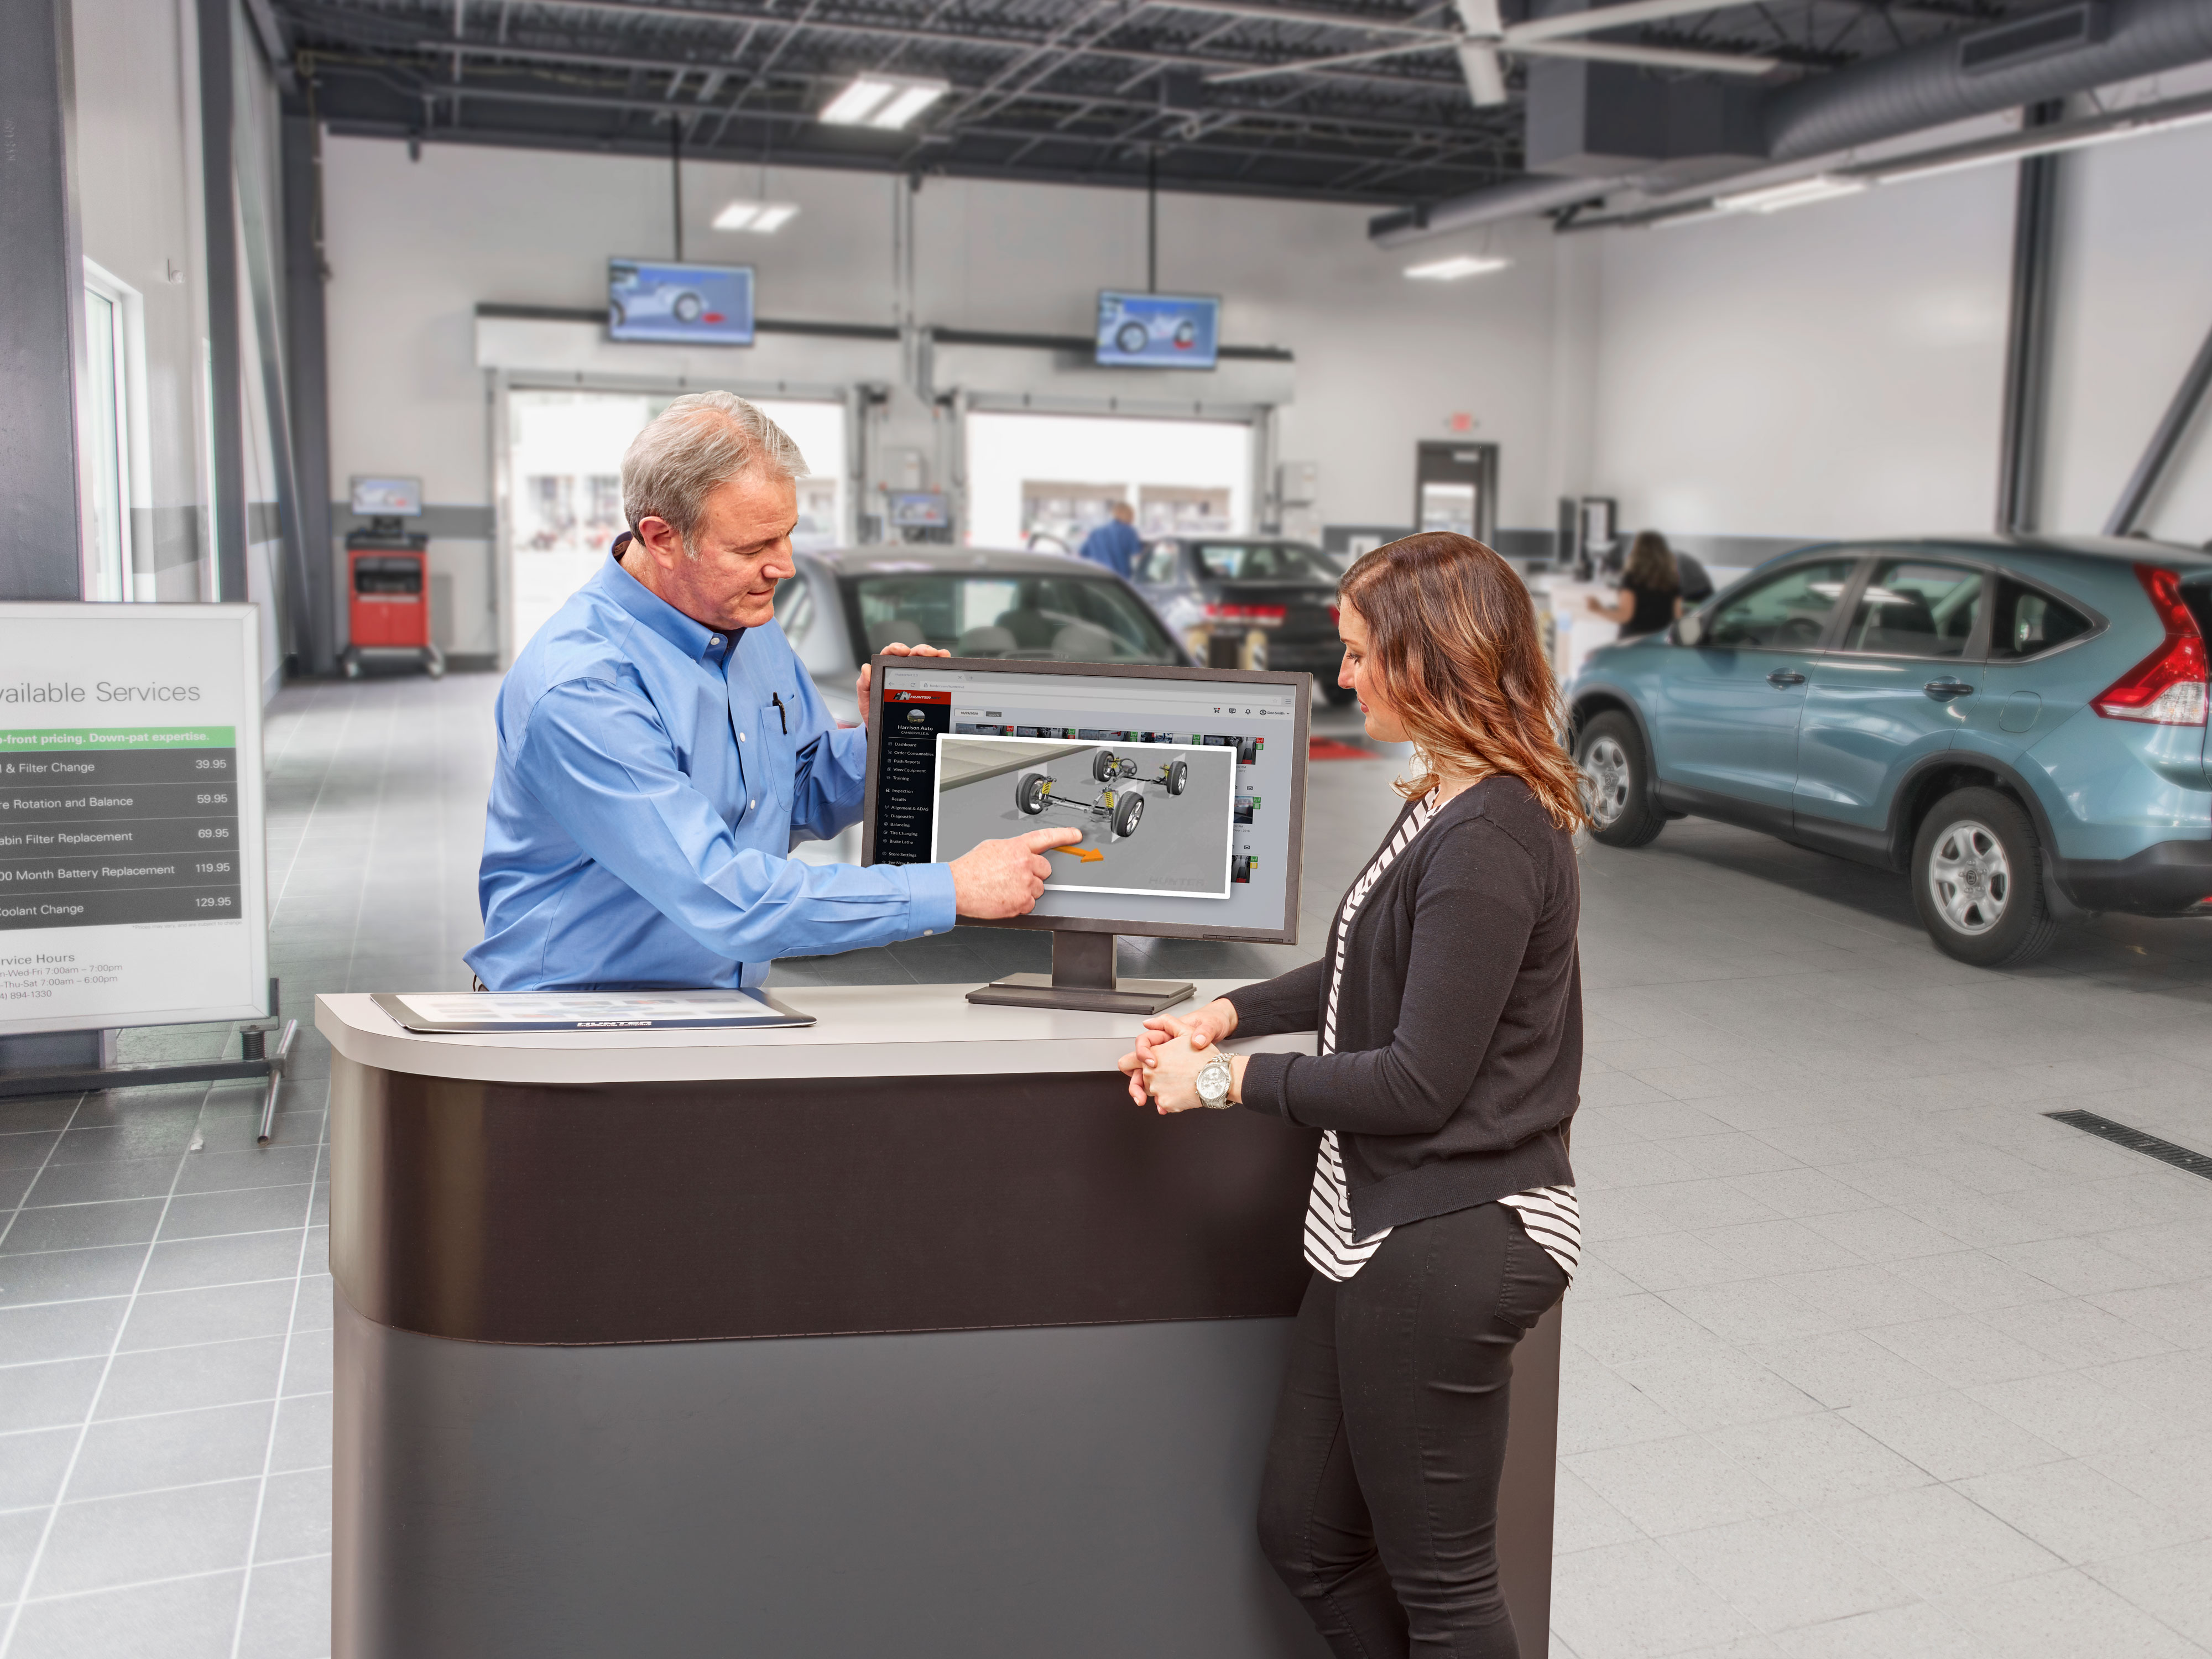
x=781, y=719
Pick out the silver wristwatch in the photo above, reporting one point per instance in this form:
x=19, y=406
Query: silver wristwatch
x=1214, y=1078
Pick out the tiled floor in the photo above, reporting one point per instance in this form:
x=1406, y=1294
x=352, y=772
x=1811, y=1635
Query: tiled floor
x=1869, y=1357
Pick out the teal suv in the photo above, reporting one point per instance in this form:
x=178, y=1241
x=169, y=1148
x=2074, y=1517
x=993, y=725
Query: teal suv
x=2018, y=724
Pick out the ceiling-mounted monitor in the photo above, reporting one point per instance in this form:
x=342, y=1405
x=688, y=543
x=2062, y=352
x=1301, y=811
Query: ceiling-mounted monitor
x=679, y=305
x=1158, y=330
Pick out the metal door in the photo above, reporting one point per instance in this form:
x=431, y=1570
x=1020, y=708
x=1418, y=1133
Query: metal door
x=1456, y=489
x=1725, y=731
x=1898, y=686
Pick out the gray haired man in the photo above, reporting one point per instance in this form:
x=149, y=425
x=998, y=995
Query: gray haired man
x=660, y=747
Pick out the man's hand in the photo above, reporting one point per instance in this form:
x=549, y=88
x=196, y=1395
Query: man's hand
x=997, y=879
x=861, y=685
x=1215, y=1023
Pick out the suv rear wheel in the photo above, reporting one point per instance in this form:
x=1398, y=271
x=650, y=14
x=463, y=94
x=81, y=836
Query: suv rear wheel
x=1617, y=781
x=1977, y=880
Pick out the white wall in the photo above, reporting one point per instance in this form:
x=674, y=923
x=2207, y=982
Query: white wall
x=1382, y=361
x=2135, y=275
x=1831, y=370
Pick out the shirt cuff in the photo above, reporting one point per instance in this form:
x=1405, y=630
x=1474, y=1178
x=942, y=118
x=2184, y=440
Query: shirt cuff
x=930, y=906
x=1267, y=1083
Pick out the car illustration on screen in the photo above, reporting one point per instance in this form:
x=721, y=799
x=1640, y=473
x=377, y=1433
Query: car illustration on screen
x=1157, y=330
x=706, y=303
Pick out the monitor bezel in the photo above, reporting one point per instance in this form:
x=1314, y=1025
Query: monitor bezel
x=1216, y=301
x=1302, y=714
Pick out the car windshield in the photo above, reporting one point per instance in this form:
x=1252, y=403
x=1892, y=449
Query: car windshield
x=1053, y=618
x=1263, y=561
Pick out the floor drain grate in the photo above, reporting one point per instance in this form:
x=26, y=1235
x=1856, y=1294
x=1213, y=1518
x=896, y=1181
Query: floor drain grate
x=2137, y=1141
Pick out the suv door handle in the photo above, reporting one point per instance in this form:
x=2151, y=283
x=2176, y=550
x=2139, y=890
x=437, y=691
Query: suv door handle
x=1783, y=678
x=1944, y=689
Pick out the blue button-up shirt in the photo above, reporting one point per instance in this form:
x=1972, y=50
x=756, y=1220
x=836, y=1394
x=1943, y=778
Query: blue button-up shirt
x=1113, y=544
x=647, y=789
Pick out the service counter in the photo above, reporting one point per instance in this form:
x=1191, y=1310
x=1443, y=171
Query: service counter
x=906, y=1333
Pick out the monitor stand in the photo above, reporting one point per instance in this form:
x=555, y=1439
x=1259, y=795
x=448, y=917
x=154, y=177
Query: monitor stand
x=1082, y=977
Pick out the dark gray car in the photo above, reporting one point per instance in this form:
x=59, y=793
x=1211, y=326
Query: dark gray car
x=844, y=605
x=1217, y=592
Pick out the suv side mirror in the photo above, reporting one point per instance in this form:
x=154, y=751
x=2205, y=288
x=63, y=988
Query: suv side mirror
x=1691, y=630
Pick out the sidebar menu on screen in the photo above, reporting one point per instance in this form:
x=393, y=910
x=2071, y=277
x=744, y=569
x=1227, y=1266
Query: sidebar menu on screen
x=906, y=774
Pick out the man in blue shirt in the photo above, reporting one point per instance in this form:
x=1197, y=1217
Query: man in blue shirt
x=660, y=747
x=1115, y=543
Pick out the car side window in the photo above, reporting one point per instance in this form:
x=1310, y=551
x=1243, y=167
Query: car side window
x=2027, y=622
x=1915, y=609
x=794, y=608
x=1786, y=612
x=1159, y=566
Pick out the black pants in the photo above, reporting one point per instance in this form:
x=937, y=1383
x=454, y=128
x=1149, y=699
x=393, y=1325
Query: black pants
x=1380, y=1504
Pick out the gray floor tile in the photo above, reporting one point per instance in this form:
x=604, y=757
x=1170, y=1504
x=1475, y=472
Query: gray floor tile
x=1937, y=1540
x=20, y=1150
x=179, y=1448
x=170, y=1319
x=1782, y=1572
x=85, y=1227
x=212, y=1171
x=1682, y=1485
x=2078, y=1513
x=1634, y=1601
x=230, y=1259
x=202, y=1215
x=20, y=1533
x=2065, y=1612
x=2173, y=1585
x=192, y=1619
x=88, y=1183
x=109, y=1542
x=295, y=1515
x=1915, y=1632
x=32, y=1464
x=185, y=1379
x=288, y=1610
x=69, y=1275
x=47, y=1396
x=59, y=1330
x=152, y=1131
x=307, y=1371
x=303, y=1433
x=313, y=1312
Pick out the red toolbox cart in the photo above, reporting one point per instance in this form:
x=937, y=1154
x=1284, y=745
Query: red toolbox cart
x=388, y=599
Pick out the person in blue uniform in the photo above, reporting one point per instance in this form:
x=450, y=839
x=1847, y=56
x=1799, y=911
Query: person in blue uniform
x=1115, y=543
x=660, y=748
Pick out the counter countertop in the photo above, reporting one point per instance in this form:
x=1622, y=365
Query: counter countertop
x=862, y=1031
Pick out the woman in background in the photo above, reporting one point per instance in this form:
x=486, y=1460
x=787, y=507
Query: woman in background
x=1443, y=1221
x=1650, y=589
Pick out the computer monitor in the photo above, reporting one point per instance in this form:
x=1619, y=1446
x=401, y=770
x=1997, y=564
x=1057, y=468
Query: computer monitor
x=1158, y=330
x=667, y=304
x=387, y=498
x=1188, y=785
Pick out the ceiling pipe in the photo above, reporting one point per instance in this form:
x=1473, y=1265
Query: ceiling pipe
x=1887, y=97
x=1926, y=87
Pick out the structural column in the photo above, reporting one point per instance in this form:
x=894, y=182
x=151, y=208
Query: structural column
x=2027, y=339
x=227, y=438
x=41, y=306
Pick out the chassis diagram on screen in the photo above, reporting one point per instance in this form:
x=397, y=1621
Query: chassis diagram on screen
x=1155, y=817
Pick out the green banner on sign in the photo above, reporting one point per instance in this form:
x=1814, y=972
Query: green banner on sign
x=119, y=736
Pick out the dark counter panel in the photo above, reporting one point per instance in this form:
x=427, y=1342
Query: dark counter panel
x=682, y=1211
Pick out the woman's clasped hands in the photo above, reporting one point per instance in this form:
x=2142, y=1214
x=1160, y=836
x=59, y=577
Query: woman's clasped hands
x=1163, y=1067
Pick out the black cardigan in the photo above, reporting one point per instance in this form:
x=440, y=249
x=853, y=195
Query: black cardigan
x=1459, y=1021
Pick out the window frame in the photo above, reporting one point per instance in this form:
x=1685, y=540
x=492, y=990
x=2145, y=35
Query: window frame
x=1976, y=647
x=1752, y=580
x=2098, y=621
x=133, y=436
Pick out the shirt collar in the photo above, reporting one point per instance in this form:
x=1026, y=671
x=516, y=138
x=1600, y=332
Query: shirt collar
x=694, y=639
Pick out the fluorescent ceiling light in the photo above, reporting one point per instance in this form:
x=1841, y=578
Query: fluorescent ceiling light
x=887, y=101
x=910, y=102
x=1821, y=187
x=1458, y=266
x=766, y=217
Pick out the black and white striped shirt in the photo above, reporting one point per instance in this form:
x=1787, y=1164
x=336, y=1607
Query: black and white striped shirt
x=1549, y=1214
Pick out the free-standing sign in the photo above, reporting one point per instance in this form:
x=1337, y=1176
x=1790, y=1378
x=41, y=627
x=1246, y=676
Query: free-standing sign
x=131, y=887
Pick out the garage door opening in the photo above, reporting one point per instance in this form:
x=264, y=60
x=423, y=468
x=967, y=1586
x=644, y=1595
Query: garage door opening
x=564, y=487
x=1047, y=480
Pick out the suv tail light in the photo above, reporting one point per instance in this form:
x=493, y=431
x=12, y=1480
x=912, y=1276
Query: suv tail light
x=2167, y=688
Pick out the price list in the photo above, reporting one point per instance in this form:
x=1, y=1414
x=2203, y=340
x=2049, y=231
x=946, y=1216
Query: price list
x=103, y=827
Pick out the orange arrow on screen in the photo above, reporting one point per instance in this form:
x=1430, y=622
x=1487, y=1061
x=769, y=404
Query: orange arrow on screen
x=1088, y=854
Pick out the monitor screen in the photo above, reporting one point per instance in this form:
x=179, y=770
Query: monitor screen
x=388, y=498
x=1158, y=330
x=679, y=305
x=1187, y=786
x=923, y=509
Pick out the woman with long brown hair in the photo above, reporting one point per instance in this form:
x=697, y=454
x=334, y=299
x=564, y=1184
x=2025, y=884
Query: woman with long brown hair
x=1443, y=1222
x=1650, y=588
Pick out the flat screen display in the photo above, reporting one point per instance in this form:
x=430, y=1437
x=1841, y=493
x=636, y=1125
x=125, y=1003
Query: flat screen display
x=1187, y=792
x=1158, y=330
x=387, y=498
x=679, y=305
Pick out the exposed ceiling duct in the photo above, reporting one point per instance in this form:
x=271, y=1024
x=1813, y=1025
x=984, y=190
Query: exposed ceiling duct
x=2050, y=54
